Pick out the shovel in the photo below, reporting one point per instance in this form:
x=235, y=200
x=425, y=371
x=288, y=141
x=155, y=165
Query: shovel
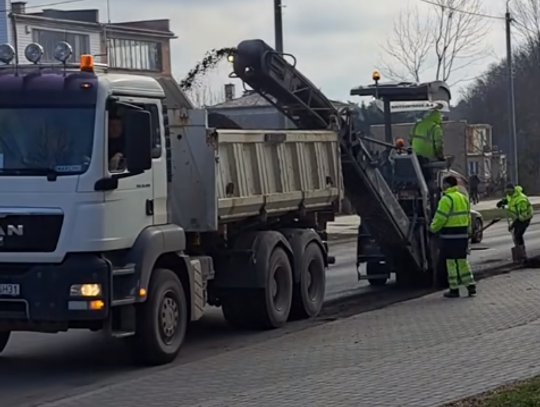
x=493, y=221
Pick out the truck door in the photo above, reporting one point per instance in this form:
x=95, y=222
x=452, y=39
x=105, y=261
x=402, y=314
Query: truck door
x=131, y=205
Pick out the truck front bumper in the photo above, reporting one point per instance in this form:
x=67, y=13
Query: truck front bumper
x=78, y=289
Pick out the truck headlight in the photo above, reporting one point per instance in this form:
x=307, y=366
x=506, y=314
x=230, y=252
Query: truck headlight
x=85, y=290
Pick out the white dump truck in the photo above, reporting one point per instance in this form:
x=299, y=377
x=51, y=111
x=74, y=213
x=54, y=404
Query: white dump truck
x=181, y=220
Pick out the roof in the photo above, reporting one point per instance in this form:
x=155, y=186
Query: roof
x=253, y=99
x=249, y=100
x=128, y=82
x=153, y=28
x=160, y=86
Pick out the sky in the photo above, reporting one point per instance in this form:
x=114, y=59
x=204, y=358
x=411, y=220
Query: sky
x=338, y=43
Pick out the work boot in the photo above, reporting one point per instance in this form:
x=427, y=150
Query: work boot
x=472, y=290
x=516, y=254
x=451, y=294
x=523, y=255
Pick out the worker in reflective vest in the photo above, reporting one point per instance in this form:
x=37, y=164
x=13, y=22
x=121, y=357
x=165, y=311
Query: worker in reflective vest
x=453, y=221
x=519, y=213
x=426, y=140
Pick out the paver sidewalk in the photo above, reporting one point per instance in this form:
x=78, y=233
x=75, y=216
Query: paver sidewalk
x=423, y=352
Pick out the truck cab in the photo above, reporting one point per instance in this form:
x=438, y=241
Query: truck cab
x=108, y=222
x=85, y=228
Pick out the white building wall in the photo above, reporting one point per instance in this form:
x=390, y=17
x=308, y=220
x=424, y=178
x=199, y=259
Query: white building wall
x=5, y=34
x=25, y=37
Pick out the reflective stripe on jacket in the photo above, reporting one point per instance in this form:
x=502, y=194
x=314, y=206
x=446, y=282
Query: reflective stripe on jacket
x=519, y=206
x=453, y=215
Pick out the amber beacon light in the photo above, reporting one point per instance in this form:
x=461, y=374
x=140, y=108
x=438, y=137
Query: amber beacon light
x=87, y=63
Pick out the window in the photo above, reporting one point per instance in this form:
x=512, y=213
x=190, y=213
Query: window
x=38, y=138
x=472, y=167
x=134, y=55
x=116, y=143
x=48, y=40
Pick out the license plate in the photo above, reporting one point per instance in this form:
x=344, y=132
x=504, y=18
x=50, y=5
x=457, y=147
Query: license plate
x=12, y=290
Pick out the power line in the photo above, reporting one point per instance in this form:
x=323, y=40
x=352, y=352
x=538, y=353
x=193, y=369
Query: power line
x=457, y=10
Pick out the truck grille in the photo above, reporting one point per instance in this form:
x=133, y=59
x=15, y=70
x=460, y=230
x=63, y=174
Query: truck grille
x=30, y=233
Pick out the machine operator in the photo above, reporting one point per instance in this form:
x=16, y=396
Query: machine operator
x=116, y=143
x=426, y=140
x=453, y=221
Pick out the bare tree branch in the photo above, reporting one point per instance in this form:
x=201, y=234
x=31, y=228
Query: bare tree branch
x=440, y=40
x=203, y=95
x=408, y=46
x=526, y=14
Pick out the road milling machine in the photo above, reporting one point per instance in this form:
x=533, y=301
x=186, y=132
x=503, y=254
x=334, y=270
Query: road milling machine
x=390, y=195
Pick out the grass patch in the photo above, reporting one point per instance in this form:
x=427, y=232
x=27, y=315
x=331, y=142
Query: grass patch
x=525, y=393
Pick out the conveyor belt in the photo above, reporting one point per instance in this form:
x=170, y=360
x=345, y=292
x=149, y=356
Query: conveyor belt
x=277, y=80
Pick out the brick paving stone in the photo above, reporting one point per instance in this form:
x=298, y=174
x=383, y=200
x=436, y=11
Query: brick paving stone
x=421, y=353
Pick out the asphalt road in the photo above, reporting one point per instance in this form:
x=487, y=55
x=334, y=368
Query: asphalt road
x=342, y=278
x=38, y=367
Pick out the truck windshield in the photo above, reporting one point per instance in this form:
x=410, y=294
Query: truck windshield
x=38, y=140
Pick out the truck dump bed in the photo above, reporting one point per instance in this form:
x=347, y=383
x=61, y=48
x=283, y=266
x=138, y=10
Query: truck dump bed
x=225, y=176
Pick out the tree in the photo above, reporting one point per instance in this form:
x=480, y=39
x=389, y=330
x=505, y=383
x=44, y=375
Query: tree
x=485, y=101
x=448, y=40
x=203, y=95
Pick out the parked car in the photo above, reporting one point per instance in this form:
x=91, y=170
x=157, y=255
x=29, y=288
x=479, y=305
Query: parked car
x=477, y=232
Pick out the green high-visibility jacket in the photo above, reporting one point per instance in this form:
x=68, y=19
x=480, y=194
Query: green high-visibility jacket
x=453, y=215
x=426, y=138
x=519, y=206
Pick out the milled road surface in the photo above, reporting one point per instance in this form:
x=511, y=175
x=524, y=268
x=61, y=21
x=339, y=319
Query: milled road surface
x=342, y=278
x=40, y=367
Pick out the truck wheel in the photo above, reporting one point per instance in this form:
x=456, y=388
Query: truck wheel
x=266, y=308
x=375, y=268
x=4, y=339
x=161, y=320
x=308, y=297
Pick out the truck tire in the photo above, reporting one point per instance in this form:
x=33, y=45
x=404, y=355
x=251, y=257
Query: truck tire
x=4, y=339
x=374, y=268
x=308, y=296
x=266, y=308
x=161, y=320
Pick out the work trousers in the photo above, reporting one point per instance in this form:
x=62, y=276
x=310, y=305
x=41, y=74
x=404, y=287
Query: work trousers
x=474, y=195
x=454, y=251
x=520, y=228
x=428, y=172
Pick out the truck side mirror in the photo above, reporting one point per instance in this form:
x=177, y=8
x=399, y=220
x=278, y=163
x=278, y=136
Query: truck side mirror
x=137, y=125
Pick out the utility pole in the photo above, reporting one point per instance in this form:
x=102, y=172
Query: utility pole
x=512, y=133
x=278, y=25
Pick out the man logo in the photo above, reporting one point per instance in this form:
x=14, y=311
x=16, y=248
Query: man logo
x=11, y=230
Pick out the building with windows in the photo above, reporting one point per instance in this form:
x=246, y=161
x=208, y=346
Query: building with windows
x=140, y=47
